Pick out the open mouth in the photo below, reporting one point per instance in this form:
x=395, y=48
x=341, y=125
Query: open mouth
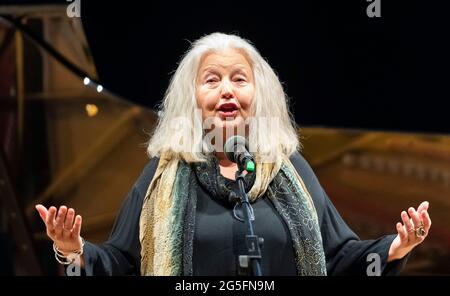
x=228, y=110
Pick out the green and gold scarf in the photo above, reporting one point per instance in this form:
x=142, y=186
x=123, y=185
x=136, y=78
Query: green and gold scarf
x=167, y=220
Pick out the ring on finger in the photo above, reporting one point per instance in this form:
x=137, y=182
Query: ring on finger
x=420, y=231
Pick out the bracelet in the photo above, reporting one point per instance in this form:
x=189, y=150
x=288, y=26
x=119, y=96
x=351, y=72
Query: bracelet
x=71, y=257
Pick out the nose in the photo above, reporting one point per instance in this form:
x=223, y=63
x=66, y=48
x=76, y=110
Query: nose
x=227, y=90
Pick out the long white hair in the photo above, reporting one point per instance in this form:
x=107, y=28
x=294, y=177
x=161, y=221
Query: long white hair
x=179, y=128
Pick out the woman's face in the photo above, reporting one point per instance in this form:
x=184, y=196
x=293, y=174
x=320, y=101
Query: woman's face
x=225, y=88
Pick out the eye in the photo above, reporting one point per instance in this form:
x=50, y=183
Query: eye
x=240, y=79
x=212, y=79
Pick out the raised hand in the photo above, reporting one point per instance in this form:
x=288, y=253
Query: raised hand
x=63, y=227
x=412, y=232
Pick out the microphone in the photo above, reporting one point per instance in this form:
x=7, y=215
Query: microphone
x=236, y=150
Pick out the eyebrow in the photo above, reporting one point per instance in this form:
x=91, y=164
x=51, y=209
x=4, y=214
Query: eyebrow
x=212, y=69
x=240, y=70
x=235, y=66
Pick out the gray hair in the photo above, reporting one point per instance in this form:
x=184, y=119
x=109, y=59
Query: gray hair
x=180, y=119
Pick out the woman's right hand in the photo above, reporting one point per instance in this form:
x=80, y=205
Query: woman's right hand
x=63, y=227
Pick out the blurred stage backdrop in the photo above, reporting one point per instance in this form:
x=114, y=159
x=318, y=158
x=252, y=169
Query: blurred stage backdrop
x=366, y=92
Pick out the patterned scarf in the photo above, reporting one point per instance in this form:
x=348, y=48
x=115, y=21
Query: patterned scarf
x=167, y=219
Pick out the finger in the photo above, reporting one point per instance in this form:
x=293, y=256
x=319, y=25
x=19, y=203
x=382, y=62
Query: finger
x=50, y=221
x=42, y=212
x=68, y=223
x=426, y=221
x=402, y=232
x=423, y=207
x=59, y=222
x=415, y=217
x=77, y=226
x=408, y=225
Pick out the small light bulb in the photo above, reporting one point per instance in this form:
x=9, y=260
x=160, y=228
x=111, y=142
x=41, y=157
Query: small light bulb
x=99, y=88
x=91, y=110
x=86, y=80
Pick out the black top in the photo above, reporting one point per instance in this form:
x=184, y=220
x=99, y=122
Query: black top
x=219, y=237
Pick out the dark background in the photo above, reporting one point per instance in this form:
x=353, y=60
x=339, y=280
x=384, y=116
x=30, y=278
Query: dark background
x=339, y=67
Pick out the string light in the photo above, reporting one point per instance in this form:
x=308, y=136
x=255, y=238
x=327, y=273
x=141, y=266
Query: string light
x=87, y=81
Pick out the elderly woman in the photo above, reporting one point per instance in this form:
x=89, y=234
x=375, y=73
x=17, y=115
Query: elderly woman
x=180, y=217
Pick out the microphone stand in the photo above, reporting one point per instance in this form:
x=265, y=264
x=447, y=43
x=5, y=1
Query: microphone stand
x=253, y=242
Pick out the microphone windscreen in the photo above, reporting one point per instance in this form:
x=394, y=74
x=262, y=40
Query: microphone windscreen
x=232, y=144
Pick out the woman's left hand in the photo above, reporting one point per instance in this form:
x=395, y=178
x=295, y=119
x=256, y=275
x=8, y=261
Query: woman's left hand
x=412, y=232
